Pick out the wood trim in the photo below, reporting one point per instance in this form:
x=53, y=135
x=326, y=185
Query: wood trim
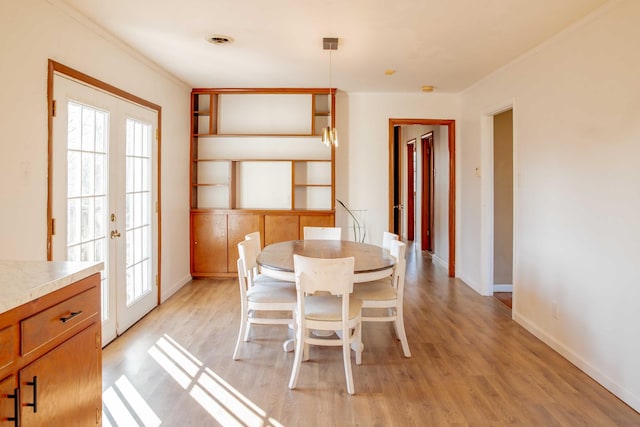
x=451, y=124
x=254, y=91
x=297, y=212
x=50, y=112
x=56, y=67
x=333, y=151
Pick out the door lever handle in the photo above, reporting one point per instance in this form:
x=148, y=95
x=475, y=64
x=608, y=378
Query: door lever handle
x=114, y=234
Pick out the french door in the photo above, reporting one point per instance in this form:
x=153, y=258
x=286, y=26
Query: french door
x=104, y=195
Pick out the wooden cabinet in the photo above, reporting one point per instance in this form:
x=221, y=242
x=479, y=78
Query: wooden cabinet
x=65, y=381
x=239, y=225
x=55, y=359
x=215, y=235
x=257, y=159
x=279, y=228
x=209, y=243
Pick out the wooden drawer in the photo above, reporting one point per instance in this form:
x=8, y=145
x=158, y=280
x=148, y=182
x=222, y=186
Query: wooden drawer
x=49, y=324
x=7, y=346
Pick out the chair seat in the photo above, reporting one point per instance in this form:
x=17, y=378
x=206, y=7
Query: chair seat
x=379, y=290
x=329, y=307
x=273, y=292
x=262, y=279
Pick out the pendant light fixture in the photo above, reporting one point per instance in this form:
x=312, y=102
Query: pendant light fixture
x=329, y=133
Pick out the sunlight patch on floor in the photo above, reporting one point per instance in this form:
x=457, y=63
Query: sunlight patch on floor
x=224, y=403
x=124, y=406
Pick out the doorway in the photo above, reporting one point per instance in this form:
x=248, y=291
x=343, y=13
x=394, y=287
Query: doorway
x=428, y=188
x=394, y=141
x=411, y=189
x=503, y=207
x=103, y=195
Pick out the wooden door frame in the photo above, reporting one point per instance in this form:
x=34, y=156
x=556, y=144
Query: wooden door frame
x=428, y=190
x=451, y=132
x=56, y=67
x=411, y=189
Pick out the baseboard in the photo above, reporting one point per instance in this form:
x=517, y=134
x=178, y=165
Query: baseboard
x=435, y=258
x=168, y=291
x=470, y=283
x=502, y=288
x=621, y=392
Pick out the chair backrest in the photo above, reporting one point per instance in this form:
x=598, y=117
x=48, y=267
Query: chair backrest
x=324, y=274
x=398, y=250
x=322, y=233
x=242, y=279
x=248, y=251
x=387, y=237
x=254, y=235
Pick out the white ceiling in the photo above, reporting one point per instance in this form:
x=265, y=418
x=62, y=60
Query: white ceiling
x=278, y=43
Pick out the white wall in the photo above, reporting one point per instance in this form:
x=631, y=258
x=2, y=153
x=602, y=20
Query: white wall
x=576, y=103
x=441, y=204
x=362, y=160
x=31, y=32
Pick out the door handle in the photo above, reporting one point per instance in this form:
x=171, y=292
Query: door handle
x=114, y=234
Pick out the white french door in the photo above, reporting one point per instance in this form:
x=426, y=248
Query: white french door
x=104, y=196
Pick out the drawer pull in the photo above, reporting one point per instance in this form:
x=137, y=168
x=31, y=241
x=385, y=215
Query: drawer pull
x=34, y=384
x=70, y=316
x=16, y=407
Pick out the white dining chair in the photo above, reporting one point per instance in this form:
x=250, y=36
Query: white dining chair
x=260, y=293
x=387, y=237
x=254, y=235
x=324, y=303
x=387, y=294
x=322, y=233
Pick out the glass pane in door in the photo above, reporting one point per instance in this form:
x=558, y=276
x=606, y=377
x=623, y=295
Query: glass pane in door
x=87, y=178
x=139, y=268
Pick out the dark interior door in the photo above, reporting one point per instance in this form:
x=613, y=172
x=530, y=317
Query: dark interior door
x=396, y=179
x=427, y=192
x=411, y=190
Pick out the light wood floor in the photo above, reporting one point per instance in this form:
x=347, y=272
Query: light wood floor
x=471, y=365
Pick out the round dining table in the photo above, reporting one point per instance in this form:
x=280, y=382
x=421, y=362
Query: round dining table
x=371, y=262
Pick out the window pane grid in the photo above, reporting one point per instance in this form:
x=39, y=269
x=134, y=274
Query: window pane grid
x=137, y=216
x=87, y=182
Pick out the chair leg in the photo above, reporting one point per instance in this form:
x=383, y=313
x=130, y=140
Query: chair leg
x=305, y=353
x=346, y=355
x=297, y=359
x=241, y=334
x=248, y=326
x=359, y=346
x=402, y=336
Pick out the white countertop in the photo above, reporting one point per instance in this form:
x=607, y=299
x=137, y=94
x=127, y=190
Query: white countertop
x=24, y=281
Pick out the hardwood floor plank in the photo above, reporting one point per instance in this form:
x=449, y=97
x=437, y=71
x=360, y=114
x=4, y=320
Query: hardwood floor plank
x=471, y=365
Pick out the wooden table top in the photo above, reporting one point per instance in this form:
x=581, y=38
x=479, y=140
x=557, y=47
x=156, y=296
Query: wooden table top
x=368, y=258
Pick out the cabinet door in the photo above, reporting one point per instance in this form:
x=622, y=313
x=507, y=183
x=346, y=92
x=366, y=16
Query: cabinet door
x=8, y=405
x=209, y=243
x=315, y=221
x=239, y=225
x=68, y=387
x=280, y=228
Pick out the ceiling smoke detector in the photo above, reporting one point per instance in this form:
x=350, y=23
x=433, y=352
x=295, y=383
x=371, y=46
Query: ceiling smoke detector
x=219, y=39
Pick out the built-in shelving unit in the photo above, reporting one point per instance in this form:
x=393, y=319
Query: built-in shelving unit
x=257, y=163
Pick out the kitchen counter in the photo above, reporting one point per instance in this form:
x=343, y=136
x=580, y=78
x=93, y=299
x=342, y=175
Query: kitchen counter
x=24, y=281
